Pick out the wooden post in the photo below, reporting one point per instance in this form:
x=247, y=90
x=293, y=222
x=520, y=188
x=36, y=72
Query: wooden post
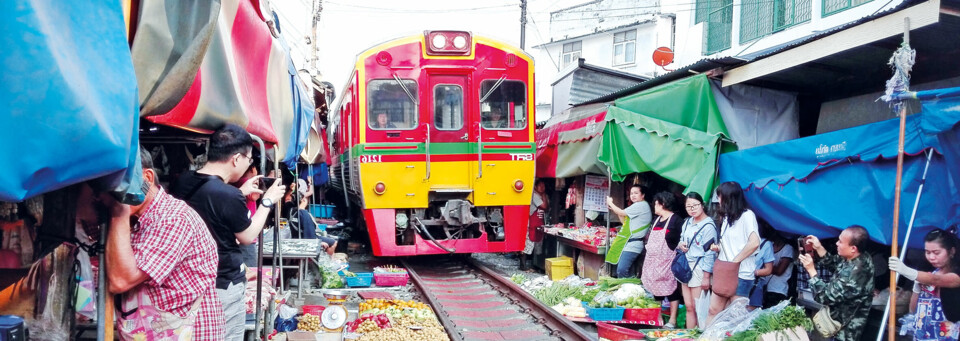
x=892, y=319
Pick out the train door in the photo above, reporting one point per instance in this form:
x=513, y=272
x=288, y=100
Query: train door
x=448, y=147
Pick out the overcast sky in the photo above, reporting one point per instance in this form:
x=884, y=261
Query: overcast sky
x=348, y=27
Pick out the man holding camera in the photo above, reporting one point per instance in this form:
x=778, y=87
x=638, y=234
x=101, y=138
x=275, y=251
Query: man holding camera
x=224, y=209
x=849, y=293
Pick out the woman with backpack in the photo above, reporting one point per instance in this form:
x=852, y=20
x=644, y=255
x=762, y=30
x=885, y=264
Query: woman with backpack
x=698, y=233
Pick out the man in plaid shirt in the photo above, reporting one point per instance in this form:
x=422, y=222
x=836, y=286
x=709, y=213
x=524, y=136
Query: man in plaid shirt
x=170, y=254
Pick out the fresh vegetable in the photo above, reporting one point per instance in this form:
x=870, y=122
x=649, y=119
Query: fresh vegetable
x=348, y=274
x=570, y=307
x=611, y=284
x=389, y=269
x=555, y=293
x=787, y=318
x=587, y=294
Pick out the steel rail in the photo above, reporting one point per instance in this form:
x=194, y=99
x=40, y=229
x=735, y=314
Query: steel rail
x=555, y=321
x=448, y=325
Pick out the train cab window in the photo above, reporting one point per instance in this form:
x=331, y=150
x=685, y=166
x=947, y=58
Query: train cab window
x=392, y=105
x=503, y=104
x=448, y=107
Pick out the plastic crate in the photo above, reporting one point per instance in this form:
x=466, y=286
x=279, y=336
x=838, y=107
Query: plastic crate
x=642, y=314
x=604, y=314
x=391, y=279
x=615, y=333
x=363, y=279
x=321, y=211
x=558, y=268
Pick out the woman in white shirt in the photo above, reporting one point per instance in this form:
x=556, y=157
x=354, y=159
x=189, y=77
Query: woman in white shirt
x=739, y=238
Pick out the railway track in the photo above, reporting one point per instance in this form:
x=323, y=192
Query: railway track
x=473, y=302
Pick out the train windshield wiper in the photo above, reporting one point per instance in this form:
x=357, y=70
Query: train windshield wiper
x=495, y=86
x=404, y=87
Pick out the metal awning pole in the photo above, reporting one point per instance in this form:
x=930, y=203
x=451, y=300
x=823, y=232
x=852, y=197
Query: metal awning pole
x=102, y=288
x=257, y=311
x=906, y=239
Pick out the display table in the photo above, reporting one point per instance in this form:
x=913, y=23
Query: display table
x=302, y=250
x=589, y=259
x=653, y=323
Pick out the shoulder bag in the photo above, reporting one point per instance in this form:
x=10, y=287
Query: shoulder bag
x=725, y=274
x=825, y=324
x=680, y=266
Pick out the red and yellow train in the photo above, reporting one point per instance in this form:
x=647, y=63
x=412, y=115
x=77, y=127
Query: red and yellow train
x=433, y=141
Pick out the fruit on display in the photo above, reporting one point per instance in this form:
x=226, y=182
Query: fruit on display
x=408, y=328
x=309, y=323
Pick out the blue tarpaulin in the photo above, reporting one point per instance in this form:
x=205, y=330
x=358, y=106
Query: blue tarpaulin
x=303, y=114
x=70, y=107
x=820, y=184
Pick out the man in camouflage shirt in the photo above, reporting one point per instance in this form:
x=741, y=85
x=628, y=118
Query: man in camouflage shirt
x=850, y=291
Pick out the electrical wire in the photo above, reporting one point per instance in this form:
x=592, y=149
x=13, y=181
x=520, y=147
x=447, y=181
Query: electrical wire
x=395, y=10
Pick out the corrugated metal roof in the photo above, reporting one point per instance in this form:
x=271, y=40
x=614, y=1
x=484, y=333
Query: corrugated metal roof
x=707, y=64
x=698, y=67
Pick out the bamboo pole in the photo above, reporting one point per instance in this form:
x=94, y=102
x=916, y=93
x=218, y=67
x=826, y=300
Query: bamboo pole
x=892, y=319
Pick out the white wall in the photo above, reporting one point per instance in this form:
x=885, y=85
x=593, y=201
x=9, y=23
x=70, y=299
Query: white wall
x=690, y=36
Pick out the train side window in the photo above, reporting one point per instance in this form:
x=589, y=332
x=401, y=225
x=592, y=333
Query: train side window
x=505, y=104
x=448, y=107
x=391, y=105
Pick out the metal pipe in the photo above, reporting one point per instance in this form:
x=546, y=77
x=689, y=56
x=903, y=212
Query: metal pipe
x=479, y=150
x=259, y=314
x=427, y=152
x=102, y=288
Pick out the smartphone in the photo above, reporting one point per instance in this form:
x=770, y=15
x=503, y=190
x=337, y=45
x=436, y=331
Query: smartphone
x=802, y=245
x=266, y=182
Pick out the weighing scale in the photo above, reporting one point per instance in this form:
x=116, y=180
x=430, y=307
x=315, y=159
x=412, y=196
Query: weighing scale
x=334, y=317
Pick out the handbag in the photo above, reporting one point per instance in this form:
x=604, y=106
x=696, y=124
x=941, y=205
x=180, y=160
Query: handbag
x=825, y=324
x=680, y=266
x=138, y=316
x=726, y=275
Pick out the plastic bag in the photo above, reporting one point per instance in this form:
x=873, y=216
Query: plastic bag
x=703, y=308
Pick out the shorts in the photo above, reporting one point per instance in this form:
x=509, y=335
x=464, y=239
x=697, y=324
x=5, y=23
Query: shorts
x=327, y=240
x=675, y=296
x=743, y=287
x=697, y=279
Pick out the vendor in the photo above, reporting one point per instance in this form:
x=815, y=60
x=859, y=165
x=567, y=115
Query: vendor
x=938, y=291
x=300, y=218
x=664, y=237
x=628, y=245
x=538, y=206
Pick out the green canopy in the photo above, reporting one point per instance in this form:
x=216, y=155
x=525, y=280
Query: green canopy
x=635, y=143
x=688, y=102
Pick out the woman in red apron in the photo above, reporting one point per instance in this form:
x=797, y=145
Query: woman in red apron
x=538, y=206
x=657, y=277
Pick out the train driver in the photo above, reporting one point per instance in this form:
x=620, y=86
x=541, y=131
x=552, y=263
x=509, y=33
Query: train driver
x=383, y=121
x=496, y=119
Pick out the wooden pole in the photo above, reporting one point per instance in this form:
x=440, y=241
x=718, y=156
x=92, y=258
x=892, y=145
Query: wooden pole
x=892, y=319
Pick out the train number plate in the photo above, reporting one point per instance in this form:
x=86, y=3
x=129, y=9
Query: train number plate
x=521, y=157
x=371, y=158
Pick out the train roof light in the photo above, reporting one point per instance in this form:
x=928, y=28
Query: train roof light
x=449, y=43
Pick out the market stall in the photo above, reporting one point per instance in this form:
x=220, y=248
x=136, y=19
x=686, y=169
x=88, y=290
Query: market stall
x=803, y=182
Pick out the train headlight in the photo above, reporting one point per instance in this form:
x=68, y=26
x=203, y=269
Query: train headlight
x=379, y=188
x=460, y=42
x=439, y=41
x=518, y=185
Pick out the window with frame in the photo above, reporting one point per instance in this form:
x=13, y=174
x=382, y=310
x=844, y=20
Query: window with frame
x=448, y=107
x=571, y=53
x=830, y=7
x=718, y=27
x=760, y=18
x=625, y=47
x=503, y=105
x=392, y=104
